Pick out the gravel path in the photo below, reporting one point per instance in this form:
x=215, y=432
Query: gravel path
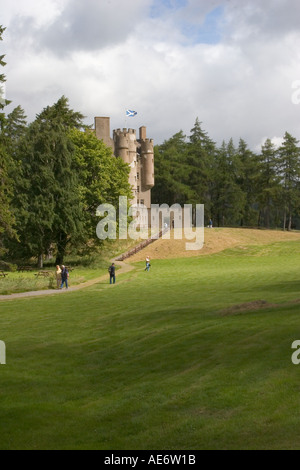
x=124, y=268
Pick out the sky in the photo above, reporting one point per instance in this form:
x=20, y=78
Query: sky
x=233, y=64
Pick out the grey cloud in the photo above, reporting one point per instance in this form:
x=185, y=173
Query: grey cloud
x=262, y=19
x=85, y=25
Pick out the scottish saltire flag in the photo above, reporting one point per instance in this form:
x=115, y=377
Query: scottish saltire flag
x=130, y=113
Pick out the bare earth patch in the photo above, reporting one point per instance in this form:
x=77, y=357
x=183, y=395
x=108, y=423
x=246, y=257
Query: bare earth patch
x=254, y=306
x=247, y=307
x=215, y=240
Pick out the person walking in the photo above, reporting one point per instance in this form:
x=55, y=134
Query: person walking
x=58, y=276
x=64, y=277
x=112, y=273
x=147, y=264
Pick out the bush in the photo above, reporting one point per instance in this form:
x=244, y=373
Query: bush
x=4, y=266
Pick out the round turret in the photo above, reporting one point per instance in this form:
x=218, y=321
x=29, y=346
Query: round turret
x=121, y=146
x=147, y=160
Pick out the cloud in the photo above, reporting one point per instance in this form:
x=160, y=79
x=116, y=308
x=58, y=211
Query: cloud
x=41, y=12
x=75, y=25
x=258, y=20
x=231, y=63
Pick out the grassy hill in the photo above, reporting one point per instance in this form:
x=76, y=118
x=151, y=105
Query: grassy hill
x=194, y=354
x=215, y=240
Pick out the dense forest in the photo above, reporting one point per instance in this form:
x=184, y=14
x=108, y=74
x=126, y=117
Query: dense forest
x=237, y=186
x=54, y=173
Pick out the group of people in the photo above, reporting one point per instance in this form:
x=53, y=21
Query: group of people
x=112, y=270
x=62, y=276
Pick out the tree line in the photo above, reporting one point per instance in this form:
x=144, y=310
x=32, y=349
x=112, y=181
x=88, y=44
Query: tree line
x=54, y=174
x=237, y=186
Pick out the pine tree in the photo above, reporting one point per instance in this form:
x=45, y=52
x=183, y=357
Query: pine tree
x=7, y=220
x=289, y=166
x=201, y=155
x=227, y=196
x=268, y=183
x=15, y=126
x=248, y=182
x=172, y=172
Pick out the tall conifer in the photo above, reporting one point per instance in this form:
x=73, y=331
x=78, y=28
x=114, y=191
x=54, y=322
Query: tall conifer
x=289, y=165
x=6, y=183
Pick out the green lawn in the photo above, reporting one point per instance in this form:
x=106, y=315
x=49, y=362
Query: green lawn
x=159, y=361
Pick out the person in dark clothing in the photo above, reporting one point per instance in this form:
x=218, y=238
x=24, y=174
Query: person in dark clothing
x=64, y=277
x=112, y=273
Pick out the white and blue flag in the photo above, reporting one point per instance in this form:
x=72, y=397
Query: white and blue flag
x=130, y=113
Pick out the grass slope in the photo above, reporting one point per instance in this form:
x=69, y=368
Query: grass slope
x=215, y=240
x=161, y=360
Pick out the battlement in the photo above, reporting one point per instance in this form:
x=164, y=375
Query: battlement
x=147, y=141
x=124, y=131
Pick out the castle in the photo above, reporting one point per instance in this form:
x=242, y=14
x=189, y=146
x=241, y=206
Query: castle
x=138, y=153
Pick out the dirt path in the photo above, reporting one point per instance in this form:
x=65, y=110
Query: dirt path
x=125, y=267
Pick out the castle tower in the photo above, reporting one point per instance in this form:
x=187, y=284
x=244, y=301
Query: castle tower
x=102, y=130
x=146, y=167
x=137, y=153
x=125, y=147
